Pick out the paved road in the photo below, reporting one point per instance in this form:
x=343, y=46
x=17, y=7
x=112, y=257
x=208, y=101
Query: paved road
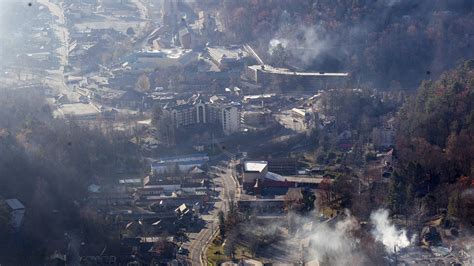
x=229, y=190
x=55, y=77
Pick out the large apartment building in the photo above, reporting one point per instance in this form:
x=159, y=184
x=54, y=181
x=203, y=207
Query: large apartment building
x=225, y=115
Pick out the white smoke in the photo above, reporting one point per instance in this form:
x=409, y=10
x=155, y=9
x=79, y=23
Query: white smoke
x=340, y=241
x=385, y=232
x=274, y=44
x=304, y=43
x=336, y=244
x=470, y=251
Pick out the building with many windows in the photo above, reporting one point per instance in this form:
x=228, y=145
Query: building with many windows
x=227, y=116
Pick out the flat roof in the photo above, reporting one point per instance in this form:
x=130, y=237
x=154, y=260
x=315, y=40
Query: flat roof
x=232, y=52
x=259, y=96
x=78, y=109
x=255, y=166
x=169, y=53
x=130, y=181
x=285, y=71
x=182, y=158
x=179, y=163
x=14, y=204
x=295, y=179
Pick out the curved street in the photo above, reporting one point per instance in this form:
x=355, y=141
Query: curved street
x=229, y=189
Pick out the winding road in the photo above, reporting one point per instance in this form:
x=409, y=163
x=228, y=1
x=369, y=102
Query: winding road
x=229, y=190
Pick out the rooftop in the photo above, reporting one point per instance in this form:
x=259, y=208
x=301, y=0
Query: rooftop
x=77, y=109
x=14, y=204
x=231, y=52
x=179, y=162
x=285, y=71
x=255, y=166
x=259, y=96
x=295, y=179
x=174, y=53
x=186, y=157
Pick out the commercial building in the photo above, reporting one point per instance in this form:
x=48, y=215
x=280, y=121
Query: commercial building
x=260, y=99
x=182, y=163
x=230, y=119
x=283, y=166
x=200, y=112
x=263, y=74
x=253, y=170
x=228, y=57
x=80, y=111
x=259, y=180
x=164, y=58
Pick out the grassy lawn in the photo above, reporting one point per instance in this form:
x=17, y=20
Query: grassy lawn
x=215, y=252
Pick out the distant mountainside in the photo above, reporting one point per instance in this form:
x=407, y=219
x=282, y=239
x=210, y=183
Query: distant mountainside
x=384, y=43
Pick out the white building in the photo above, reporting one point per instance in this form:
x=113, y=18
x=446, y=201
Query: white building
x=230, y=120
x=254, y=170
x=163, y=58
x=226, y=115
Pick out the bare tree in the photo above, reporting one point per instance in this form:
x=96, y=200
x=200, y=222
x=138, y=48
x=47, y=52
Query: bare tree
x=143, y=83
x=419, y=212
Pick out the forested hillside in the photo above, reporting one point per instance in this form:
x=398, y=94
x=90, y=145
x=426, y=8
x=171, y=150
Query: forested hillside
x=436, y=145
x=47, y=164
x=383, y=43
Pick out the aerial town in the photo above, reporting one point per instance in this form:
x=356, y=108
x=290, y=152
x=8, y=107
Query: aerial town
x=166, y=132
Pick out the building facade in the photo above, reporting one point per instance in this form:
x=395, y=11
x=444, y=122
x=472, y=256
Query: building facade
x=225, y=115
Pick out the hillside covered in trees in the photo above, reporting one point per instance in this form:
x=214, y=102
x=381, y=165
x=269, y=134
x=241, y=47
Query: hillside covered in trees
x=383, y=43
x=435, y=147
x=48, y=164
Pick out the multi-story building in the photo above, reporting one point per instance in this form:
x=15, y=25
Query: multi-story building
x=264, y=74
x=200, y=112
x=229, y=57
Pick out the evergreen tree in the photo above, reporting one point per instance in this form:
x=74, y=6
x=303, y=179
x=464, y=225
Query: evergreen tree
x=396, y=197
x=222, y=228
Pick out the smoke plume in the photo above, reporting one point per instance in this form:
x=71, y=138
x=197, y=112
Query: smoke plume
x=336, y=244
x=304, y=44
x=385, y=232
x=274, y=44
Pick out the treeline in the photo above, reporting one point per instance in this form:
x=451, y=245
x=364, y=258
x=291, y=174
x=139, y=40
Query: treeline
x=390, y=44
x=47, y=164
x=435, y=147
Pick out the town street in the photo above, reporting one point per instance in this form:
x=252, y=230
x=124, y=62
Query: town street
x=56, y=77
x=229, y=191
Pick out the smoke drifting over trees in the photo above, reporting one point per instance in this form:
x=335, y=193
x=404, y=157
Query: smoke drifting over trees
x=385, y=43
